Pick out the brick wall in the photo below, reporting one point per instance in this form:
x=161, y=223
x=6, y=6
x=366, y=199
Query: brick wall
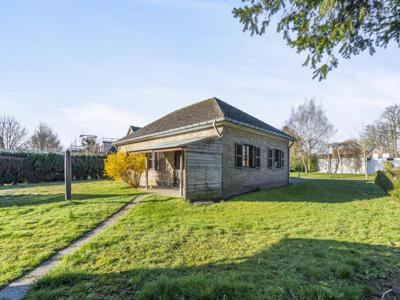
x=236, y=181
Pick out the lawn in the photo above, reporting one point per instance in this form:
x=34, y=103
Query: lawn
x=317, y=175
x=35, y=221
x=310, y=240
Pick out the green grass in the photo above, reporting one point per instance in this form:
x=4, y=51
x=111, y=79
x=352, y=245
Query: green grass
x=317, y=175
x=35, y=221
x=310, y=240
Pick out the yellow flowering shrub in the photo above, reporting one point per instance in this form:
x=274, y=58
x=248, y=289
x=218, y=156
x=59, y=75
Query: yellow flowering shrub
x=127, y=167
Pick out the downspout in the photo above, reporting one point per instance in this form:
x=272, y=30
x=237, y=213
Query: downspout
x=222, y=159
x=216, y=129
x=290, y=146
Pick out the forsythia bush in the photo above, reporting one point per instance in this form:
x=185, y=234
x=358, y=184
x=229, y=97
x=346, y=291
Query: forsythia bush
x=125, y=167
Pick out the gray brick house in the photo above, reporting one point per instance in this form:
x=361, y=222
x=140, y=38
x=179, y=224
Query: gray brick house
x=210, y=150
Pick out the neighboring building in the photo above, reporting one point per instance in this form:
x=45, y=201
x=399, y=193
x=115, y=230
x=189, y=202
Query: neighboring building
x=211, y=150
x=353, y=162
x=104, y=147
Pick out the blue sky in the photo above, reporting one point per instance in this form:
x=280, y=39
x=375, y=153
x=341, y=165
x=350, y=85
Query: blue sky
x=97, y=66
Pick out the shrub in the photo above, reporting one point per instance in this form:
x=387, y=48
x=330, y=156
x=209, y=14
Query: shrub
x=384, y=181
x=127, y=167
x=389, y=168
x=395, y=193
x=17, y=167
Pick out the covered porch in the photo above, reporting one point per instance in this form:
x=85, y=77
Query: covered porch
x=165, y=169
x=191, y=168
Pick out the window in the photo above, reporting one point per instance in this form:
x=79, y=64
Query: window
x=270, y=158
x=247, y=156
x=279, y=161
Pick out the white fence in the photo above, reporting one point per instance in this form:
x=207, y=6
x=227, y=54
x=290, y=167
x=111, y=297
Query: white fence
x=353, y=165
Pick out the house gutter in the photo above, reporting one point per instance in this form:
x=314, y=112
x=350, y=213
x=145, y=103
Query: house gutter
x=184, y=129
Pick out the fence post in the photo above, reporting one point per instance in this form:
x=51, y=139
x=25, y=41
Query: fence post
x=67, y=174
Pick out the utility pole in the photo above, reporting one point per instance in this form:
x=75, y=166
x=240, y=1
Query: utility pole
x=68, y=175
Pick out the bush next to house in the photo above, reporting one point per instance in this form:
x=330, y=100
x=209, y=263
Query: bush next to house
x=18, y=167
x=126, y=167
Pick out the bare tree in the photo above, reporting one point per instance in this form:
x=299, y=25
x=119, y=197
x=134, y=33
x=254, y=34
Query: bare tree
x=391, y=116
x=89, y=142
x=12, y=133
x=312, y=129
x=44, y=139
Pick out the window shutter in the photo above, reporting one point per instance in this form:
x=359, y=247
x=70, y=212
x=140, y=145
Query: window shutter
x=269, y=158
x=258, y=157
x=282, y=159
x=251, y=163
x=238, y=155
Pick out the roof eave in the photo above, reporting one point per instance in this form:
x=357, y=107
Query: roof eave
x=197, y=126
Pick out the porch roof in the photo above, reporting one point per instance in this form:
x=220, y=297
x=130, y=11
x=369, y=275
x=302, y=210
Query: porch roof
x=171, y=146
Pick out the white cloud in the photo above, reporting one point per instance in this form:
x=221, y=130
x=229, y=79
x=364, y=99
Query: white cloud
x=92, y=118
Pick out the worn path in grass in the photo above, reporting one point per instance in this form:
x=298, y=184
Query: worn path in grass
x=17, y=290
x=36, y=221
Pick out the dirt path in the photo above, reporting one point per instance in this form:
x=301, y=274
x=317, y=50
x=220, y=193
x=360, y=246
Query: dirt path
x=17, y=289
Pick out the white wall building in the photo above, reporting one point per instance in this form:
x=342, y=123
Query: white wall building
x=354, y=165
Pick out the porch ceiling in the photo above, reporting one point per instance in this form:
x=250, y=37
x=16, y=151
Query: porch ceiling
x=171, y=146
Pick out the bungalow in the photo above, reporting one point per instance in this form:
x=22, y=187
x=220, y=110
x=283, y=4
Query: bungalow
x=211, y=150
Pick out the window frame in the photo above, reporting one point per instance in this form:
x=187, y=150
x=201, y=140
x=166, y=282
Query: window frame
x=278, y=159
x=248, y=156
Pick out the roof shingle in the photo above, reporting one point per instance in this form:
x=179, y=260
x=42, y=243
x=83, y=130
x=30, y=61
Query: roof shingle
x=203, y=111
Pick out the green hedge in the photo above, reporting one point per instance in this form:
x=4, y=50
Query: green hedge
x=44, y=167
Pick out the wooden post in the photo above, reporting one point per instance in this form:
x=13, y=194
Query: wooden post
x=67, y=175
x=147, y=173
x=181, y=173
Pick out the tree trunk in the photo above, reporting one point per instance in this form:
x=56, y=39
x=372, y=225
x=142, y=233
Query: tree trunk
x=329, y=163
x=340, y=161
x=304, y=164
x=366, y=164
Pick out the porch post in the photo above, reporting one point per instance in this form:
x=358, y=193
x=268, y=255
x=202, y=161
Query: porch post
x=181, y=177
x=147, y=173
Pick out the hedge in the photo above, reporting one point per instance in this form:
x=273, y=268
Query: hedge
x=28, y=167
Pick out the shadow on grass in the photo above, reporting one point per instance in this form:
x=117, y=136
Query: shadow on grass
x=40, y=199
x=47, y=184
x=324, y=191
x=291, y=269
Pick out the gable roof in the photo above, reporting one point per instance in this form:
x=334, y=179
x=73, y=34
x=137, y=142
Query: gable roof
x=202, y=112
x=133, y=129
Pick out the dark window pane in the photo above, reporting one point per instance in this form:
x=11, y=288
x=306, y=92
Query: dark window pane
x=239, y=150
x=239, y=162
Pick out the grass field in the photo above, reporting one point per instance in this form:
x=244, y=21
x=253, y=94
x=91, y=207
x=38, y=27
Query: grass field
x=35, y=220
x=316, y=175
x=310, y=240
